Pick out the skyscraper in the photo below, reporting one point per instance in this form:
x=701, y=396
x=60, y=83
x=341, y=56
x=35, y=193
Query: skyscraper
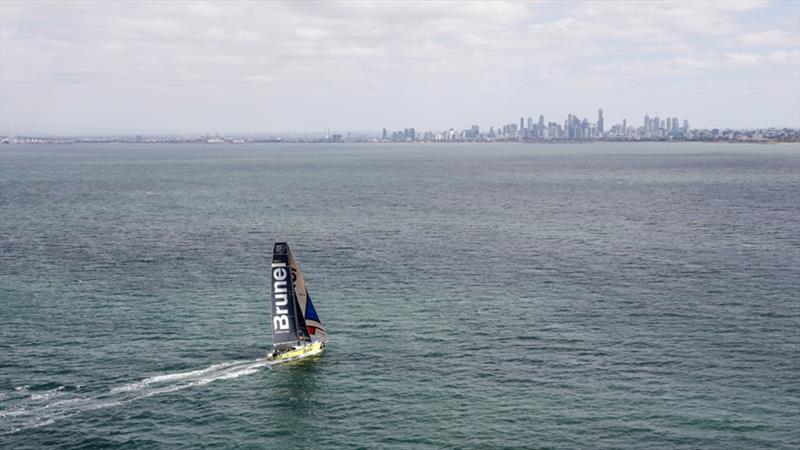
x=541, y=126
x=600, y=121
x=568, y=127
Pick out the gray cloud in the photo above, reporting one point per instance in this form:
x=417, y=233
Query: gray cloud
x=69, y=67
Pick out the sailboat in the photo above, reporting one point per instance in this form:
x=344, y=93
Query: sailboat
x=297, y=331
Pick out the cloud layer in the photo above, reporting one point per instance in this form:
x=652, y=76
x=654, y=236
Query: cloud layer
x=94, y=67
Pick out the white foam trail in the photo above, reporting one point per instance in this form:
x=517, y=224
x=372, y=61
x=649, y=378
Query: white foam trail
x=37, y=411
x=172, y=377
x=190, y=374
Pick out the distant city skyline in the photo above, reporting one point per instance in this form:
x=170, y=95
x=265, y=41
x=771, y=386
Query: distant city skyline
x=574, y=129
x=82, y=68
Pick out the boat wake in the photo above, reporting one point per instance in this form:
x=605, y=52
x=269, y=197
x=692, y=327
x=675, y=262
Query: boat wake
x=23, y=409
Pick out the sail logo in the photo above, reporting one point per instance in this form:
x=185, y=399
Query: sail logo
x=280, y=319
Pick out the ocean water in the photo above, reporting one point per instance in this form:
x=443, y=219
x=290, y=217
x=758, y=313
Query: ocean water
x=477, y=296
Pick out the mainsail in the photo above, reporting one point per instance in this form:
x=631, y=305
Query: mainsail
x=288, y=320
x=313, y=324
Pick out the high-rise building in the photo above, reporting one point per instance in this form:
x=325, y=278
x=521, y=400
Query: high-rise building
x=530, y=124
x=600, y=121
x=646, y=123
x=541, y=125
x=384, y=134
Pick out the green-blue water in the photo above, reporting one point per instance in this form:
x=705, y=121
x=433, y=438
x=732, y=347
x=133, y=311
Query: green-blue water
x=477, y=296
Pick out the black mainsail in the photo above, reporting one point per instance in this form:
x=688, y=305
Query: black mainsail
x=288, y=321
x=294, y=319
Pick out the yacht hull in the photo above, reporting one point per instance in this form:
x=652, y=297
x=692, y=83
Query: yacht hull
x=314, y=348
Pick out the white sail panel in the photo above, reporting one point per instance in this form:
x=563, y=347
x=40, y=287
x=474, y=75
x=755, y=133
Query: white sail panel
x=313, y=323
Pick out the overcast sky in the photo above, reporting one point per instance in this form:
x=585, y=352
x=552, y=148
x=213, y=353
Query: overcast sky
x=180, y=66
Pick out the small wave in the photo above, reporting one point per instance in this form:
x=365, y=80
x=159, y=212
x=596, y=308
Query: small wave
x=47, y=394
x=37, y=410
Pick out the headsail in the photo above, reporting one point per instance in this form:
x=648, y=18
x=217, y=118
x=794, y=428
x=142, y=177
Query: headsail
x=312, y=321
x=288, y=323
